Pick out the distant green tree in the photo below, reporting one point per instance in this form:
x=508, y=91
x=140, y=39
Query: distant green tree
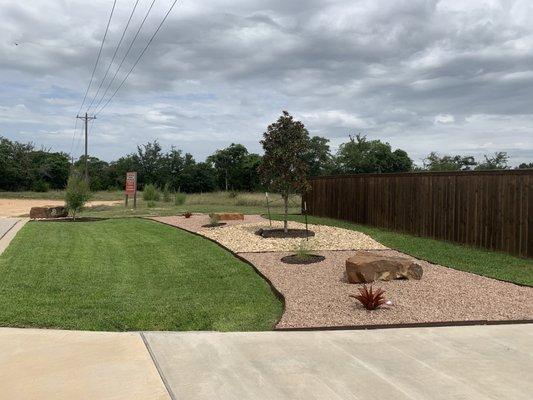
x=150, y=162
x=198, y=178
x=228, y=162
x=283, y=168
x=319, y=157
x=526, y=166
x=434, y=162
x=360, y=155
x=99, y=173
x=497, y=161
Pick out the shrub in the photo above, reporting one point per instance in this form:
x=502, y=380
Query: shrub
x=187, y=214
x=41, y=186
x=150, y=193
x=302, y=251
x=370, y=299
x=150, y=204
x=214, y=219
x=180, y=198
x=166, y=193
x=77, y=194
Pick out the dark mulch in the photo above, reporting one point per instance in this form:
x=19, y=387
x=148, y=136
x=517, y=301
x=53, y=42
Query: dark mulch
x=295, y=259
x=280, y=233
x=214, y=225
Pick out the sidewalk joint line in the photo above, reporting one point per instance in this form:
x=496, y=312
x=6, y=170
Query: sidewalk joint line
x=158, y=367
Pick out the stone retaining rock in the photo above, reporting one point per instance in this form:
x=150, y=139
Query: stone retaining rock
x=365, y=267
x=48, y=212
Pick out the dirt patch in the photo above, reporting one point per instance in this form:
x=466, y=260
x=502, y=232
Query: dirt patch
x=317, y=295
x=21, y=207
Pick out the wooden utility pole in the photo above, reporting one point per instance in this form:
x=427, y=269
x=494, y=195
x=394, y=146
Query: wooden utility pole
x=86, y=119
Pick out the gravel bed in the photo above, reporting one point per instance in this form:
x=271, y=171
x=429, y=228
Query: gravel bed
x=242, y=238
x=194, y=224
x=317, y=295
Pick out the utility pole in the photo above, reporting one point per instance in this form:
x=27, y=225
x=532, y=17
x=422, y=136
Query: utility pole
x=86, y=119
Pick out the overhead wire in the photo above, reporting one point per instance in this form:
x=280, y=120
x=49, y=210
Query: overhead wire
x=125, y=55
x=139, y=57
x=114, y=54
x=99, y=55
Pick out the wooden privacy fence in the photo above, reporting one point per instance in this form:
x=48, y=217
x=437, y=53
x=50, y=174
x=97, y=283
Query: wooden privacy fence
x=490, y=209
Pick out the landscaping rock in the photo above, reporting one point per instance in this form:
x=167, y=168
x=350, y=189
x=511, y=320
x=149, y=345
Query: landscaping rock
x=227, y=216
x=365, y=267
x=48, y=212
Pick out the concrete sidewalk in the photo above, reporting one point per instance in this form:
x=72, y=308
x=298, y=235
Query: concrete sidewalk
x=9, y=228
x=476, y=362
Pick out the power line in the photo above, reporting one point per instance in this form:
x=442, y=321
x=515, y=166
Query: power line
x=125, y=55
x=73, y=138
x=140, y=56
x=99, y=55
x=114, y=54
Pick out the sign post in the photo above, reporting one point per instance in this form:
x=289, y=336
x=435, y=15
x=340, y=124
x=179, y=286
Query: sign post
x=131, y=187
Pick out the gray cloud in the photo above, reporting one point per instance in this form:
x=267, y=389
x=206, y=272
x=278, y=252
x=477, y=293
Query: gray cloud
x=450, y=75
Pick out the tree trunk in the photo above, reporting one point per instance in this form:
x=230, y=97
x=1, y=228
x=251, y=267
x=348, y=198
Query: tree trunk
x=226, y=180
x=286, y=205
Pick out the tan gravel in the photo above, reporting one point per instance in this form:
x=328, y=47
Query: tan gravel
x=242, y=238
x=195, y=222
x=317, y=295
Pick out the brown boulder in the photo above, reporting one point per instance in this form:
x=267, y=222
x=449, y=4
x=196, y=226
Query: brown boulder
x=365, y=267
x=48, y=212
x=227, y=216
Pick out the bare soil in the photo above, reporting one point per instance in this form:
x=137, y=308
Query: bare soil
x=21, y=207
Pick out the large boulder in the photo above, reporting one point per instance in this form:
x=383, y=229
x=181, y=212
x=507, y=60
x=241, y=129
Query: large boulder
x=48, y=212
x=365, y=267
x=227, y=216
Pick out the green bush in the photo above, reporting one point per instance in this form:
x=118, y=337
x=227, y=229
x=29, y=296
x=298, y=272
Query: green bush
x=77, y=194
x=41, y=186
x=150, y=204
x=166, y=193
x=180, y=199
x=150, y=193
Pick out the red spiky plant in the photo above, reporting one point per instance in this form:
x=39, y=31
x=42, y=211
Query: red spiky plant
x=369, y=298
x=187, y=214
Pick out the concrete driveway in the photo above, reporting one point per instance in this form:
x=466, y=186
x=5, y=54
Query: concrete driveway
x=475, y=362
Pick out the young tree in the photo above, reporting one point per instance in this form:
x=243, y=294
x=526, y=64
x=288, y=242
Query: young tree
x=283, y=168
x=77, y=193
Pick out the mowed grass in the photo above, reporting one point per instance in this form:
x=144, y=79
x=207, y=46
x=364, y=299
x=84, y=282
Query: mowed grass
x=478, y=261
x=128, y=274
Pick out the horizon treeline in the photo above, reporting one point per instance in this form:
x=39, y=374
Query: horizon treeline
x=23, y=167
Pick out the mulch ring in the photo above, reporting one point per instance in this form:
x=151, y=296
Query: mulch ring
x=304, y=260
x=281, y=234
x=214, y=225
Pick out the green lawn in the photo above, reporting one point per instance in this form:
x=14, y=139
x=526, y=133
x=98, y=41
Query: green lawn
x=128, y=274
x=482, y=262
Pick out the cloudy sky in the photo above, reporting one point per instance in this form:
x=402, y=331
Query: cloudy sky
x=453, y=76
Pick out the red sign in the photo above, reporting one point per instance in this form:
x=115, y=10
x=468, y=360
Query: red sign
x=131, y=183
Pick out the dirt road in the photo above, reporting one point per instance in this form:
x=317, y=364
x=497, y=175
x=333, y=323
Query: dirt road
x=21, y=207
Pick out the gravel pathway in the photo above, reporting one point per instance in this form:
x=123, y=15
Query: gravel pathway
x=318, y=294
x=242, y=238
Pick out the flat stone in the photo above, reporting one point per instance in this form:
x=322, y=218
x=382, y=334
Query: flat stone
x=366, y=267
x=48, y=212
x=227, y=216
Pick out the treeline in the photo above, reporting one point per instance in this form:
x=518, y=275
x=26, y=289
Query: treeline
x=22, y=167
